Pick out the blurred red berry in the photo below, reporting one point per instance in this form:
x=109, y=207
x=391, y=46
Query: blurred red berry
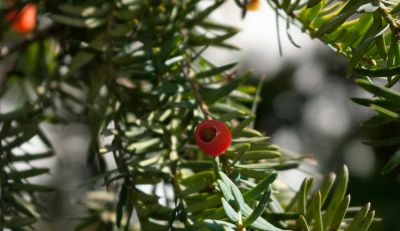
x=253, y=5
x=23, y=21
x=213, y=137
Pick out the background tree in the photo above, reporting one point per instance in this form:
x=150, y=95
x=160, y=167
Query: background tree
x=135, y=73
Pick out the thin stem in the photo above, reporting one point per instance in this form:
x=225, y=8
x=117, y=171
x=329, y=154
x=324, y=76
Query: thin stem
x=196, y=90
x=240, y=226
x=393, y=81
x=278, y=33
x=385, y=13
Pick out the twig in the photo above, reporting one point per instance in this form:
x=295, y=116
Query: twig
x=196, y=90
x=393, y=22
x=278, y=33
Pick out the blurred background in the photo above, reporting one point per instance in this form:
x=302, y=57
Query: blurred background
x=305, y=108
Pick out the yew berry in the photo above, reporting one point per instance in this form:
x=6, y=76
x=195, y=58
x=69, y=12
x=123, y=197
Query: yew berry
x=213, y=137
x=23, y=21
x=253, y=5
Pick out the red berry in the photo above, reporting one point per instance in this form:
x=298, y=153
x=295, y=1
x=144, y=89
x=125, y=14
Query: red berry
x=253, y=5
x=25, y=20
x=213, y=137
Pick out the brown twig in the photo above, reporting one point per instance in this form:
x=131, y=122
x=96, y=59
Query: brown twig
x=196, y=89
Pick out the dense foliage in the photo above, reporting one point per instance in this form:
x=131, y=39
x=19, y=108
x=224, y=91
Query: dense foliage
x=133, y=70
x=367, y=32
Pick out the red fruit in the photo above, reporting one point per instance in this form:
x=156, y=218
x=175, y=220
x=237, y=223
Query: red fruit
x=213, y=137
x=253, y=5
x=25, y=20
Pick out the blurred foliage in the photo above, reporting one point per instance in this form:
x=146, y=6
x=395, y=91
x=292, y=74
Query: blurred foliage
x=331, y=151
x=366, y=32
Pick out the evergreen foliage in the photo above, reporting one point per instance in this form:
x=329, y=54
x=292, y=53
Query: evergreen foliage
x=367, y=33
x=133, y=70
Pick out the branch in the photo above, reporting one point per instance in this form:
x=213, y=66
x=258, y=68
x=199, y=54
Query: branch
x=196, y=89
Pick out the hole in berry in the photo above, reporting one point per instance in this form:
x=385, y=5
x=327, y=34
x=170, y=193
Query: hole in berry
x=208, y=134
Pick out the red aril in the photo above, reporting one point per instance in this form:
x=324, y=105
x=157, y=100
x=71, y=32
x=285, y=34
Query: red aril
x=213, y=137
x=23, y=21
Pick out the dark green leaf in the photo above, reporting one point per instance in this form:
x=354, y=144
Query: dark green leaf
x=215, y=71
x=334, y=23
x=359, y=218
x=259, y=155
x=340, y=213
x=204, y=203
x=29, y=157
x=254, y=173
x=318, y=225
x=338, y=195
x=366, y=222
x=89, y=23
x=232, y=115
x=242, y=125
x=82, y=10
x=211, y=95
x=308, y=14
x=120, y=205
x=384, y=142
x=393, y=163
x=197, y=182
x=260, y=188
x=312, y=3
x=17, y=222
x=327, y=186
x=385, y=111
x=30, y=187
x=259, y=209
x=378, y=120
x=28, y=173
x=374, y=31
x=204, y=14
x=384, y=92
x=302, y=198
